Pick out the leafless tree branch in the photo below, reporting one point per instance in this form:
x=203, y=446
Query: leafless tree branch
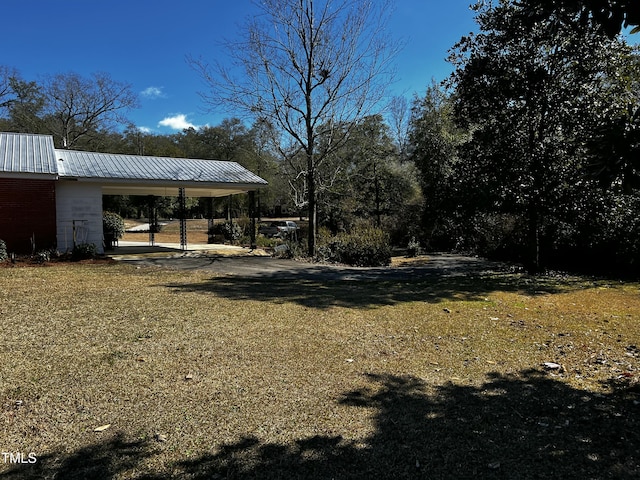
x=311, y=67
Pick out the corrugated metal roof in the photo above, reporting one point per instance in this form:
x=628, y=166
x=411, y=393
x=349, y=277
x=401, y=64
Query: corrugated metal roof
x=105, y=166
x=35, y=154
x=26, y=153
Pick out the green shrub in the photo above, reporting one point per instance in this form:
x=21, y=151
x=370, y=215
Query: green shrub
x=264, y=242
x=3, y=251
x=283, y=250
x=363, y=247
x=84, y=251
x=113, y=223
x=290, y=249
x=43, y=256
x=231, y=231
x=413, y=248
x=155, y=228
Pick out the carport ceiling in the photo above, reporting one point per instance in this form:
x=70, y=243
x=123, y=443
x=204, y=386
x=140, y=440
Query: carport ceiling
x=166, y=190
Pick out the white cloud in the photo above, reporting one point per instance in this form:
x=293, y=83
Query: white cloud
x=177, y=122
x=144, y=129
x=152, y=92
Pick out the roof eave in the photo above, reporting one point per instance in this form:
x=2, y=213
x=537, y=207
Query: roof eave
x=167, y=188
x=168, y=183
x=29, y=175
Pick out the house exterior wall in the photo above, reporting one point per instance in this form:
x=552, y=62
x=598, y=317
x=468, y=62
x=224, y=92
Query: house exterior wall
x=79, y=214
x=27, y=213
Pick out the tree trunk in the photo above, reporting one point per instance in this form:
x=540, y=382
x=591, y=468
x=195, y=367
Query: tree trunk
x=252, y=220
x=311, y=182
x=377, y=199
x=534, y=264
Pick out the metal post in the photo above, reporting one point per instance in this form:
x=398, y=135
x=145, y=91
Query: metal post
x=252, y=219
x=153, y=219
x=211, y=221
x=182, y=200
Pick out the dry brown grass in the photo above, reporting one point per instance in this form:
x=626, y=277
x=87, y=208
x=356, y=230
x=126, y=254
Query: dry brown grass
x=408, y=379
x=170, y=233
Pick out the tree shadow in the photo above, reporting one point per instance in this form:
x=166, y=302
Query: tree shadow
x=529, y=425
x=321, y=287
x=101, y=460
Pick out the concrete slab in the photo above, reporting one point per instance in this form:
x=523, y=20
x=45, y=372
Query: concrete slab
x=127, y=250
x=143, y=227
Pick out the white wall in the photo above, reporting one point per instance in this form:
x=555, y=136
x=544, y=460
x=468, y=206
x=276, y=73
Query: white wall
x=79, y=203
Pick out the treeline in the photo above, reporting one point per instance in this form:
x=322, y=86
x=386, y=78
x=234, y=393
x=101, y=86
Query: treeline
x=533, y=152
x=368, y=180
x=529, y=152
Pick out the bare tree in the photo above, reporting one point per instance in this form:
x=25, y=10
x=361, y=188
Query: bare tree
x=309, y=67
x=77, y=106
x=399, y=118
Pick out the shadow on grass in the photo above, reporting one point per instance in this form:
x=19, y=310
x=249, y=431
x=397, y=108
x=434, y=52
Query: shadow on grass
x=366, y=288
x=525, y=426
x=102, y=460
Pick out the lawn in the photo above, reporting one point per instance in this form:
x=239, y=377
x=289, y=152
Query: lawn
x=170, y=232
x=108, y=371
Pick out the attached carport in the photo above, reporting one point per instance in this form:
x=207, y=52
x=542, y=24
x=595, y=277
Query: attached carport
x=52, y=198
x=98, y=174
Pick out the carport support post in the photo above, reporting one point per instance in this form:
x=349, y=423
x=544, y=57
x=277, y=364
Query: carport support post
x=153, y=219
x=252, y=219
x=182, y=200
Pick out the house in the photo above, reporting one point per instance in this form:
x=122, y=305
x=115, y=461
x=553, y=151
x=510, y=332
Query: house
x=53, y=198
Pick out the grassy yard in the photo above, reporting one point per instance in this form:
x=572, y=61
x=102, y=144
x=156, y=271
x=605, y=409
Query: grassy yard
x=194, y=376
x=170, y=233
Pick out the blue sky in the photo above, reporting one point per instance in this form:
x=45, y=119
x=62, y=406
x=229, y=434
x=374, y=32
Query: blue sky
x=145, y=43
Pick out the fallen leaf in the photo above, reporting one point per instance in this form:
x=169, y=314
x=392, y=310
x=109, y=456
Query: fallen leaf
x=102, y=428
x=188, y=376
x=552, y=366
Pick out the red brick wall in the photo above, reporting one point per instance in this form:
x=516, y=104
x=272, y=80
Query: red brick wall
x=27, y=208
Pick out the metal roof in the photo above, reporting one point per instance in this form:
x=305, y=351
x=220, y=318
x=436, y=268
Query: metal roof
x=106, y=166
x=22, y=153
x=124, y=174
